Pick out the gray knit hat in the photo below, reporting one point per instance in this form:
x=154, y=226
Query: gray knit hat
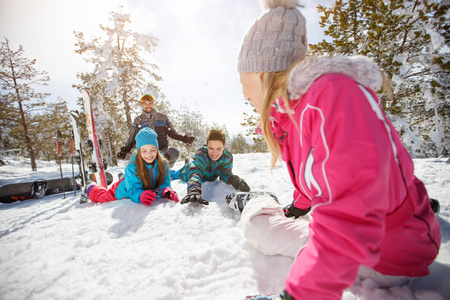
x=276, y=40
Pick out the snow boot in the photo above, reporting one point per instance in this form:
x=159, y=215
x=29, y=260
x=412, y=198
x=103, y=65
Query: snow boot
x=283, y=296
x=265, y=297
x=85, y=196
x=238, y=200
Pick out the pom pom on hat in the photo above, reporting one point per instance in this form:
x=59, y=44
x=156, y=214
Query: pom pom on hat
x=276, y=40
x=270, y=4
x=146, y=136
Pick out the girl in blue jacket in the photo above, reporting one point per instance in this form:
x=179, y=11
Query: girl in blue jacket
x=146, y=176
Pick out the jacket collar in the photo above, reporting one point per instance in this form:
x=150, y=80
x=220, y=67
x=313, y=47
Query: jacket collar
x=361, y=68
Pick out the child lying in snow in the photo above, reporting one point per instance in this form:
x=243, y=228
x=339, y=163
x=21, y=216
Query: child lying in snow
x=146, y=175
x=210, y=162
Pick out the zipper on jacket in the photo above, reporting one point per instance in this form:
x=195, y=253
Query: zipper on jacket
x=295, y=182
x=292, y=170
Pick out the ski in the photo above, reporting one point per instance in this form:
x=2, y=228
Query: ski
x=75, y=121
x=97, y=161
x=71, y=158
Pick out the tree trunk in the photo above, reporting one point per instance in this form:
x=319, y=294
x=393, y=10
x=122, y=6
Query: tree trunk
x=27, y=137
x=22, y=115
x=127, y=109
x=112, y=160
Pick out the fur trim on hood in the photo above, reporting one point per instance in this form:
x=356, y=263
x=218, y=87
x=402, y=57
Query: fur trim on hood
x=361, y=68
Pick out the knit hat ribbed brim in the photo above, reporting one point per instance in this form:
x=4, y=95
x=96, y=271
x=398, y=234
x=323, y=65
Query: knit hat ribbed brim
x=276, y=40
x=146, y=136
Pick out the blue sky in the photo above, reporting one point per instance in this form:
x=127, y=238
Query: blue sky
x=199, y=41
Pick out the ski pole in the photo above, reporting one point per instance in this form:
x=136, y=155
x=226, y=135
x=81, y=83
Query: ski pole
x=58, y=135
x=73, y=173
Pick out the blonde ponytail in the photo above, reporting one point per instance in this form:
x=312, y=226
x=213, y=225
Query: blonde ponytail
x=274, y=85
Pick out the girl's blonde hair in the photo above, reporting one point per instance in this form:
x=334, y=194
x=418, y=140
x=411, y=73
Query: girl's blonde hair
x=274, y=86
x=143, y=174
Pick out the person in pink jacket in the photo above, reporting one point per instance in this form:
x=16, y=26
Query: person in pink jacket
x=366, y=212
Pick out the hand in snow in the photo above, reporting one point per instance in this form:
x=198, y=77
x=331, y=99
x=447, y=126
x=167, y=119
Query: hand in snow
x=169, y=193
x=194, y=195
x=238, y=183
x=147, y=197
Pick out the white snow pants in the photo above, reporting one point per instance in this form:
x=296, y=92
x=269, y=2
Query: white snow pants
x=271, y=233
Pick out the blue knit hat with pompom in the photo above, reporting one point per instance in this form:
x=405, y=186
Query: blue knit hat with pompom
x=146, y=136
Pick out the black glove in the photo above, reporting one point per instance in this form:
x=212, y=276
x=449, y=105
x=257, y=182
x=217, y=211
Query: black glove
x=122, y=153
x=194, y=195
x=291, y=211
x=188, y=139
x=287, y=296
x=238, y=183
x=435, y=206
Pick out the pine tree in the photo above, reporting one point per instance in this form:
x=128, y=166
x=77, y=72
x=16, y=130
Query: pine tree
x=121, y=75
x=238, y=144
x=44, y=126
x=251, y=122
x=18, y=76
x=407, y=39
x=189, y=122
x=8, y=124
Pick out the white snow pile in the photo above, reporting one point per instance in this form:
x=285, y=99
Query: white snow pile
x=56, y=248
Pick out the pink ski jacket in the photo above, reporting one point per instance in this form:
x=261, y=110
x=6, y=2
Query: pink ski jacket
x=348, y=164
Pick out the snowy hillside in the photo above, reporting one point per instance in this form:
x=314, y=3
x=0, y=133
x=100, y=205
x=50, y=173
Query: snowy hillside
x=55, y=248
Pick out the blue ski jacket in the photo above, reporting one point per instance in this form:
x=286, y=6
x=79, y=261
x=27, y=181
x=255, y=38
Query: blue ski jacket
x=131, y=186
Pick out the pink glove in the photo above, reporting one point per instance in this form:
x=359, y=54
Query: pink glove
x=170, y=194
x=147, y=197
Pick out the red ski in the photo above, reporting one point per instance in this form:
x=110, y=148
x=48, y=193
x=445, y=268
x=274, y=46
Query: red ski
x=97, y=161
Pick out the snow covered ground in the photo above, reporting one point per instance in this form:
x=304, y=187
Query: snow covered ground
x=56, y=248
